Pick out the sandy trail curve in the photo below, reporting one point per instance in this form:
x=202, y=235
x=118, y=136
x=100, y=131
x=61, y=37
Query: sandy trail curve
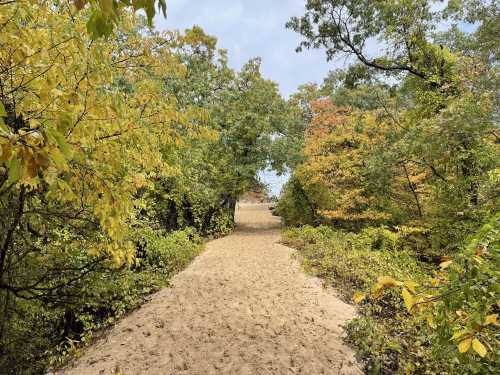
x=242, y=307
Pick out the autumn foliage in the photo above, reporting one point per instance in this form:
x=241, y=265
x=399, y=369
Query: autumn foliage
x=119, y=147
x=399, y=178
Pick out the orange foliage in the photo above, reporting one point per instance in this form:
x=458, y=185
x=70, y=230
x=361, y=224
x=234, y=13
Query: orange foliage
x=333, y=172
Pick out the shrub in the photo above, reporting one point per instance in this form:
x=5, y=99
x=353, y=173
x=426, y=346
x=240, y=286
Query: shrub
x=349, y=260
x=45, y=334
x=447, y=320
x=384, y=335
x=458, y=305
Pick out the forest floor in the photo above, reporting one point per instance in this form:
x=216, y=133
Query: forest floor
x=244, y=306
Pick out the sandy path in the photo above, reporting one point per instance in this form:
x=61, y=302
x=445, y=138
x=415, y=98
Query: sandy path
x=242, y=307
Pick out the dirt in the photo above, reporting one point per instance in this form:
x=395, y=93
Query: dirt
x=244, y=306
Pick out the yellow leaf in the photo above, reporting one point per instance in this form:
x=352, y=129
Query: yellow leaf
x=464, y=345
x=408, y=299
x=377, y=292
x=491, y=319
x=458, y=334
x=446, y=264
x=430, y=321
x=358, y=297
x=411, y=285
x=479, y=348
x=477, y=259
x=387, y=281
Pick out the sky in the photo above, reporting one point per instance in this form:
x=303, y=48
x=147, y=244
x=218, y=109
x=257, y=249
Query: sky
x=253, y=28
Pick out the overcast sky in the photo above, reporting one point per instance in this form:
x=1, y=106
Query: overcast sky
x=251, y=28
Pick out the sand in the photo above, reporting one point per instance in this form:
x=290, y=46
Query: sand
x=244, y=306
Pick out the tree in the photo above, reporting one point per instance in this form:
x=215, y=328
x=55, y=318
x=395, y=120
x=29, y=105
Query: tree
x=107, y=147
x=345, y=27
x=439, y=89
x=421, y=151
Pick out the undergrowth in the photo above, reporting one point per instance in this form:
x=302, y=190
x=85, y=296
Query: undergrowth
x=102, y=298
x=386, y=337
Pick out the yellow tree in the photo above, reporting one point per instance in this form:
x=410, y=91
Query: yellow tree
x=82, y=126
x=334, y=172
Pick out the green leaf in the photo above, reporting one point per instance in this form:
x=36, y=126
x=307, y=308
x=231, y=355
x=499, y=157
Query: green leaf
x=65, y=122
x=3, y=113
x=3, y=127
x=14, y=167
x=107, y=7
x=57, y=138
x=58, y=159
x=98, y=25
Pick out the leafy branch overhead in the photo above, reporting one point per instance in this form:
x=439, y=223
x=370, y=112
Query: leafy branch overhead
x=105, y=14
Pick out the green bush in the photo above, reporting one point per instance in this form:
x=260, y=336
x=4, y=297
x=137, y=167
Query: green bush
x=45, y=334
x=385, y=336
x=167, y=254
x=352, y=261
x=294, y=205
x=458, y=302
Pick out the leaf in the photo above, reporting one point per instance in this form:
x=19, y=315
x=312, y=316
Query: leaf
x=58, y=159
x=65, y=122
x=384, y=282
x=430, y=321
x=411, y=285
x=3, y=127
x=31, y=167
x=458, y=334
x=3, y=113
x=14, y=167
x=387, y=281
x=464, y=345
x=80, y=4
x=59, y=140
x=445, y=265
x=6, y=151
x=358, y=297
x=491, y=319
x=408, y=299
x=107, y=7
x=435, y=282
x=479, y=348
